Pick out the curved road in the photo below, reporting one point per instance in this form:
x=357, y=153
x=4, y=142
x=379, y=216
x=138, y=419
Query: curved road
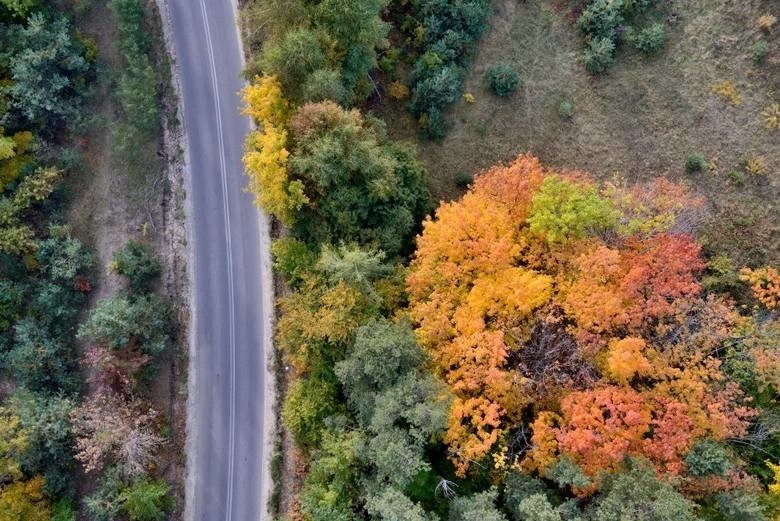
x=227, y=401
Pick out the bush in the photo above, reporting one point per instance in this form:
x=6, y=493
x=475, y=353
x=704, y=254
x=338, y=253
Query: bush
x=707, y=458
x=502, y=79
x=737, y=177
x=292, y=59
x=435, y=88
x=136, y=262
x=759, y=51
x=565, y=110
x=695, y=163
x=463, y=179
x=146, y=500
x=601, y=19
x=599, y=55
x=324, y=84
x=649, y=40
x=293, y=259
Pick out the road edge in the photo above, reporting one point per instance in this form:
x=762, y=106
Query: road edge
x=269, y=299
x=190, y=462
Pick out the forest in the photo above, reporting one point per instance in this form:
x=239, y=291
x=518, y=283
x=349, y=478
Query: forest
x=545, y=343
x=78, y=433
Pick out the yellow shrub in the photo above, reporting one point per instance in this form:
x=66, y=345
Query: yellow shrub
x=468, y=97
x=771, y=116
x=398, y=90
x=755, y=166
x=766, y=22
x=727, y=91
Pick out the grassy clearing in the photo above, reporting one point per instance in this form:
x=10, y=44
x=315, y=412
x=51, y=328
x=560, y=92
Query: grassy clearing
x=641, y=119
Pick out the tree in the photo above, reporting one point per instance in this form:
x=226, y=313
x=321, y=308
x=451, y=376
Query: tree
x=146, y=500
x=13, y=443
x=563, y=210
x=536, y=507
x=707, y=458
x=24, y=501
x=48, y=70
x=49, y=451
x=357, y=30
x=382, y=351
x=358, y=185
x=330, y=489
x=136, y=261
x=636, y=493
x=390, y=504
x=121, y=322
x=266, y=154
x=765, y=284
x=309, y=401
x=293, y=58
x=16, y=237
x=109, y=429
x=38, y=361
x=477, y=506
x=16, y=159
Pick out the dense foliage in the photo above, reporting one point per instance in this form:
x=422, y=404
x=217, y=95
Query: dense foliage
x=321, y=50
x=46, y=426
x=606, y=23
x=442, y=35
x=331, y=173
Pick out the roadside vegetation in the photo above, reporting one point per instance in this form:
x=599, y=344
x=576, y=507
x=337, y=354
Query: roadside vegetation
x=553, y=345
x=74, y=406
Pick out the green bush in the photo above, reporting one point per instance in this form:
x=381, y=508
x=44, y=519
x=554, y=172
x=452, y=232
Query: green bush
x=463, y=179
x=146, y=500
x=601, y=19
x=759, y=51
x=137, y=263
x=707, y=458
x=451, y=30
x=737, y=177
x=292, y=259
x=649, y=40
x=599, y=55
x=324, y=84
x=501, y=79
x=695, y=163
x=292, y=58
x=565, y=110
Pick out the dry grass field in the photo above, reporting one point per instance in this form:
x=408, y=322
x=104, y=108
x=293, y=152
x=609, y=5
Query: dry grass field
x=640, y=119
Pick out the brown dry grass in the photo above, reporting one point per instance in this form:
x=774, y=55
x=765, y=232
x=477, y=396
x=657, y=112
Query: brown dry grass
x=639, y=120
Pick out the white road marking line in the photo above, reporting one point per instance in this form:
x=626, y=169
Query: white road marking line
x=228, y=242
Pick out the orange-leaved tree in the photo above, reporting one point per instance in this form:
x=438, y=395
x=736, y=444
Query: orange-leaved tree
x=544, y=294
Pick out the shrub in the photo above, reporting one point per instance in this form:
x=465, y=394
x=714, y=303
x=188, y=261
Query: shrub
x=601, y=19
x=649, y=40
x=463, y=179
x=398, y=90
x=502, y=79
x=292, y=59
x=293, y=259
x=766, y=22
x=146, y=500
x=695, y=163
x=435, y=88
x=758, y=52
x=727, y=92
x=324, y=84
x=136, y=262
x=755, y=165
x=737, y=177
x=771, y=116
x=599, y=55
x=707, y=458
x=565, y=110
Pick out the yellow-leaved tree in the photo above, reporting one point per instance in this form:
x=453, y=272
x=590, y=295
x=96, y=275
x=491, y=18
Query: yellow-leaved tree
x=265, y=158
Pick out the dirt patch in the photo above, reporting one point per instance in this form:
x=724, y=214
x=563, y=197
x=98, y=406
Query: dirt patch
x=639, y=120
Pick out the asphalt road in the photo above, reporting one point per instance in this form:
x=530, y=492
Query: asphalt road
x=226, y=403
